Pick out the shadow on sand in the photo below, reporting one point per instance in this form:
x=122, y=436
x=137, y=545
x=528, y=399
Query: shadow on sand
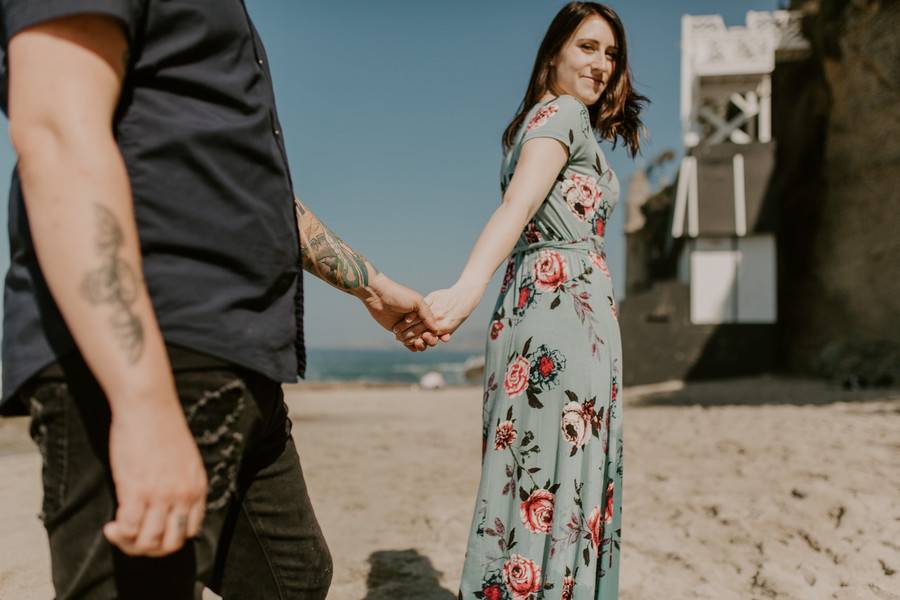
x=404, y=575
x=759, y=391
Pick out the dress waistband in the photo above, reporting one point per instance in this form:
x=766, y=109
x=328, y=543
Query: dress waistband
x=584, y=245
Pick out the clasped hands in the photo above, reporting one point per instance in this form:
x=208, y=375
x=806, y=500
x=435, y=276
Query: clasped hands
x=419, y=322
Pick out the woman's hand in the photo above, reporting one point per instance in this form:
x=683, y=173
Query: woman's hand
x=452, y=306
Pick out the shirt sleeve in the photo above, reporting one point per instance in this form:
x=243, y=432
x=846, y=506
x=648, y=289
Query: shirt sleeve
x=18, y=15
x=564, y=119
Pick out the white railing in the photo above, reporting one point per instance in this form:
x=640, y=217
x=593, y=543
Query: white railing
x=732, y=53
x=712, y=50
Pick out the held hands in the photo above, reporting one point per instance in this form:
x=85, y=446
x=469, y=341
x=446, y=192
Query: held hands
x=450, y=308
x=392, y=304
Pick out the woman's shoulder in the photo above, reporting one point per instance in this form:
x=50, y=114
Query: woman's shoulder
x=570, y=103
x=573, y=108
x=561, y=112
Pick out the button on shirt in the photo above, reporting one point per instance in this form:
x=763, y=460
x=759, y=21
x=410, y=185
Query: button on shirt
x=197, y=128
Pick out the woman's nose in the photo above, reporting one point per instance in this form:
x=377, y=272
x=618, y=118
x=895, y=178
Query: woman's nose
x=603, y=64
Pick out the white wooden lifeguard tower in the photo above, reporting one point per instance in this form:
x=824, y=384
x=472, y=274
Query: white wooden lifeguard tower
x=729, y=259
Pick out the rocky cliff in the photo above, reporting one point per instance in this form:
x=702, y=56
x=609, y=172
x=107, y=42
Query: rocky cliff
x=837, y=121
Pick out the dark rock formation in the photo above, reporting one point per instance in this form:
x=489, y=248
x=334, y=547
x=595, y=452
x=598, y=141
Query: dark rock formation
x=837, y=122
x=660, y=343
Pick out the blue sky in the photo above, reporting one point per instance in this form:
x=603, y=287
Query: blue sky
x=392, y=113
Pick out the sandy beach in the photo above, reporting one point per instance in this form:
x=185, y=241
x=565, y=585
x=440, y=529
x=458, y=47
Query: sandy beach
x=742, y=489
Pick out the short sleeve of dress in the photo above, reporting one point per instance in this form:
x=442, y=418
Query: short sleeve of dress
x=564, y=119
x=18, y=15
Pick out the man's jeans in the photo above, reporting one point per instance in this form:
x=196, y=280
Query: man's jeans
x=260, y=538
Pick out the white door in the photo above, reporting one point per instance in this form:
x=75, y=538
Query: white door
x=713, y=281
x=733, y=280
x=756, y=283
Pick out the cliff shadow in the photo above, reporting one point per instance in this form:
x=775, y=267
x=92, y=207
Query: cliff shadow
x=766, y=390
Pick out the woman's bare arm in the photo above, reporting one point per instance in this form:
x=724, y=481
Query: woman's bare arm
x=539, y=164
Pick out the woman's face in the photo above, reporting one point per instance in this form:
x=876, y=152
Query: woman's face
x=587, y=61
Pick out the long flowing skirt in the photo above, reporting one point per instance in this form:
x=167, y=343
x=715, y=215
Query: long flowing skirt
x=548, y=511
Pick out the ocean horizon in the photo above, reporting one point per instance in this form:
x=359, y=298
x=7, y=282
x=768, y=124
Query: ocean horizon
x=383, y=365
x=361, y=365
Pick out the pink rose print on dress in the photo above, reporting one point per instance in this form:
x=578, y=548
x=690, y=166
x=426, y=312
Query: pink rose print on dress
x=542, y=116
x=537, y=511
x=492, y=592
x=532, y=235
x=600, y=262
x=545, y=367
x=508, y=276
x=522, y=577
x=568, y=588
x=582, y=195
x=496, y=328
x=524, y=299
x=599, y=227
x=576, y=425
x=550, y=271
x=610, y=490
x=505, y=436
x=516, y=380
x=596, y=522
x=595, y=527
x=524, y=296
x=593, y=417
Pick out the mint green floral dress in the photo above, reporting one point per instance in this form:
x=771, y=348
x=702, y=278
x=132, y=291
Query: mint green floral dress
x=548, y=512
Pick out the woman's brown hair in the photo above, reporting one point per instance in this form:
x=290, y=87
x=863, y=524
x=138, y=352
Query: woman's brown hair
x=616, y=115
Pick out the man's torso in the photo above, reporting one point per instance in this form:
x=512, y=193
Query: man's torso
x=198, y=130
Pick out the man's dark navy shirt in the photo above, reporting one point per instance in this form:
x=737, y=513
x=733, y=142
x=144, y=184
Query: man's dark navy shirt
x=213, y=200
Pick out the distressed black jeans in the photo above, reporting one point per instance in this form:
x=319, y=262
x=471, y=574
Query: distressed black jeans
x=260, y=538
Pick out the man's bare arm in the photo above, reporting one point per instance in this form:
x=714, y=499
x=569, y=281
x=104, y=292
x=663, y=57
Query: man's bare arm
x=328, y=257
x=63, y=90
x=65, y=81
x=332, y=260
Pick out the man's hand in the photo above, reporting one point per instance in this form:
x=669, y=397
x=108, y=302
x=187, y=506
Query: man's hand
x=159, y=477
x=392, y=304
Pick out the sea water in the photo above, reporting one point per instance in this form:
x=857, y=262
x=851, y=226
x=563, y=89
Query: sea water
x=384, y=366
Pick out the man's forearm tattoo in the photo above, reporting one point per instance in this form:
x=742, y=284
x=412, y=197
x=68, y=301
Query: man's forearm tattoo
x=327, y=256
x=115, y=284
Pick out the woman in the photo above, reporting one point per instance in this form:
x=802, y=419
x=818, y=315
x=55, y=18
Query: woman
x=547, y=517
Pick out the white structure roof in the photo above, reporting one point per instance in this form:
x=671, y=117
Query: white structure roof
x=711, y=50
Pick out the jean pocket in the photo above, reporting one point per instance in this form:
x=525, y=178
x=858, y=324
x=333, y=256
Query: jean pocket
x=48, y=405
x=216, y=408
